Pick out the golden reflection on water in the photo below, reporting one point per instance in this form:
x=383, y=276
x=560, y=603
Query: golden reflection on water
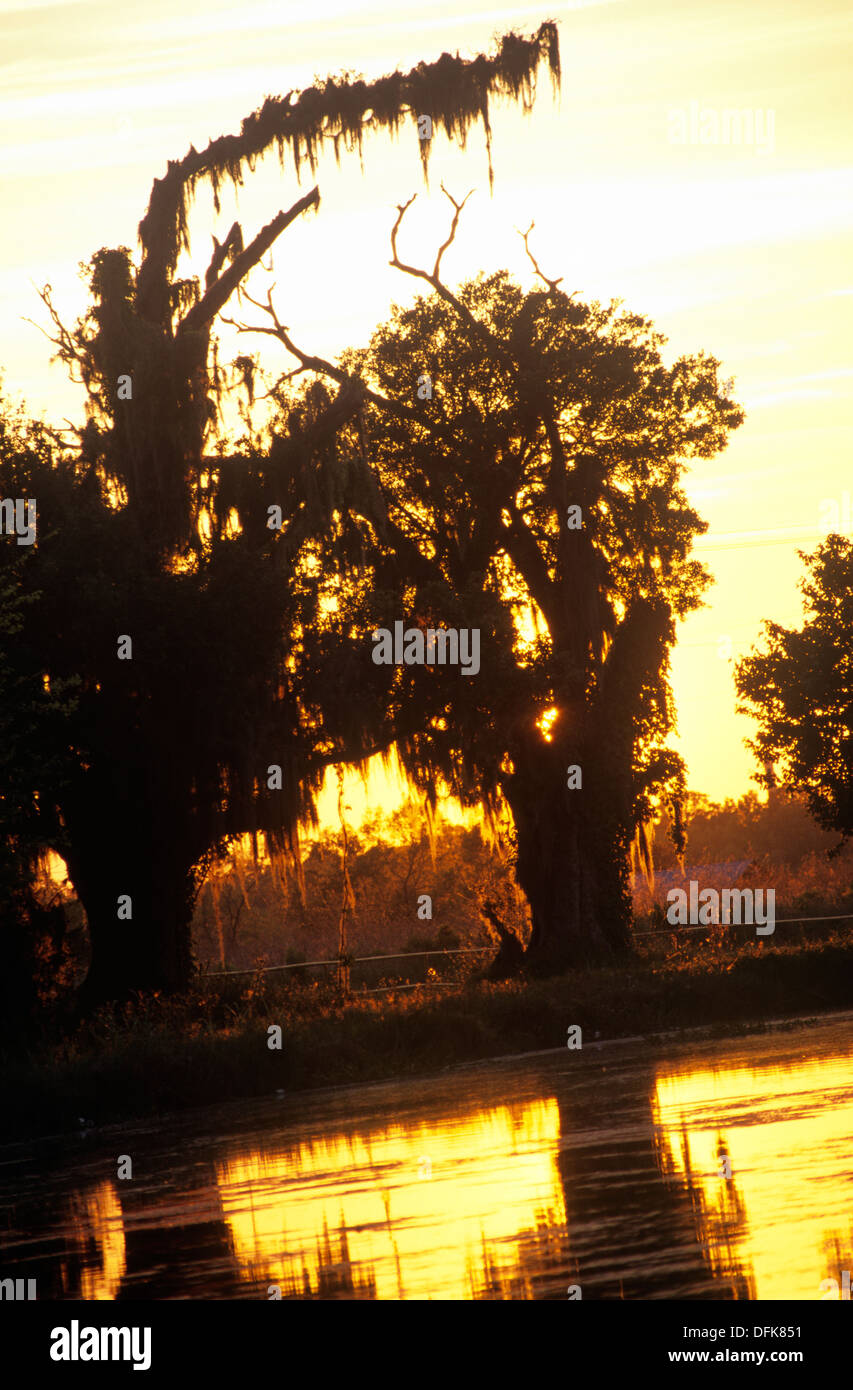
x=434, y=1210
x=780, y=1223
x=471, y=1204
x=97, y=1234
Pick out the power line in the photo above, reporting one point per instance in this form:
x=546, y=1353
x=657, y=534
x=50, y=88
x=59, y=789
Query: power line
x=674, y=927
x=356, y=960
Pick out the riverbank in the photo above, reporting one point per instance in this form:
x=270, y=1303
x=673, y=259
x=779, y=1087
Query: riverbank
x=160, y=1054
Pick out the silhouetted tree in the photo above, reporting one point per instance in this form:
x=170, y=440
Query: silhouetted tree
x=35, y=717
x=533, y=493
x=243, y=654
x=800, y=689
x=780, y=829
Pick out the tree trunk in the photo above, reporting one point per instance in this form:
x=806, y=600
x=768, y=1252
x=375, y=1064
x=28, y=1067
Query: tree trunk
x=151, y=951
x=132, y=852
x=573, y=865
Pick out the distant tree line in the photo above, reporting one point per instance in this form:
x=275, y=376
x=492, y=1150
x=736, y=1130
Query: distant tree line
x=778, y=830
x=408, y=894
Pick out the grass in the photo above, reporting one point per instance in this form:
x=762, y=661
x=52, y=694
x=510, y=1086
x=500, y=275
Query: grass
x=156, y=1054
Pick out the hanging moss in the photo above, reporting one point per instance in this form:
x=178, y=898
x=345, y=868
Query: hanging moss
x=242, y=618
x=454, y=91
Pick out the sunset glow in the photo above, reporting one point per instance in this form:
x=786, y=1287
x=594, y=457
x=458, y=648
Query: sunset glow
x=742, y=249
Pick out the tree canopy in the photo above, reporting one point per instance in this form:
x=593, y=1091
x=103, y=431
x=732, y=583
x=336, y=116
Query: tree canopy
x=35, y=719
x=799, y=686
x=533, y=492
x=207, y=593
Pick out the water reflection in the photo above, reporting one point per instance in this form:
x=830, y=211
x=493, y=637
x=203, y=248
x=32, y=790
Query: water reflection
x=443, y=1209
x=764, y=1152
x=96, y=1265
x=704, y=1170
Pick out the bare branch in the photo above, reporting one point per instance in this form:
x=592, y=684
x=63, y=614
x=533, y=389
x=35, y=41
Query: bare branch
x=552, y=284
x=542, y=405
x=66, y=347
x=402, y=209
x=308, y=362
x=432, y=278
x=223, y=287
x=232, y=243
x=529, y=389
x=454, y=224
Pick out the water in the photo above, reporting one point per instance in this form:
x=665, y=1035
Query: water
x=715, y=1170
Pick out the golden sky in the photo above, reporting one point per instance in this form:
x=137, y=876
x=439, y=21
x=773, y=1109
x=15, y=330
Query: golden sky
x=741, y=249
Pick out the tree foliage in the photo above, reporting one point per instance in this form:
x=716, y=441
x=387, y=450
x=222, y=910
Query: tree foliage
x=779, y=830
x=155, y=525
x=35, y=719
x=243, y=914
x=799, y=687
x=540, y=404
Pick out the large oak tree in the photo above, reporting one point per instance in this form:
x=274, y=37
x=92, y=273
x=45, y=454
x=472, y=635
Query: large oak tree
x=153, y=526
x=530, y=451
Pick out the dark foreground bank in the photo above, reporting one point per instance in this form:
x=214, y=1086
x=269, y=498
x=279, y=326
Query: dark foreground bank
x=158, y=1055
